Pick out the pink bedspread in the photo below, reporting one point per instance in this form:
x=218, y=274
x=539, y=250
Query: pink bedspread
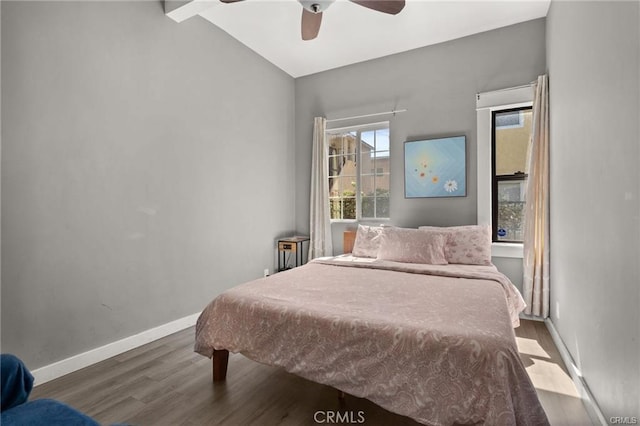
x=415, y=339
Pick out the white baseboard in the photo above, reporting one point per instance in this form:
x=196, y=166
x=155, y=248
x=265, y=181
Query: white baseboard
x=76, y=362
x=588, y=400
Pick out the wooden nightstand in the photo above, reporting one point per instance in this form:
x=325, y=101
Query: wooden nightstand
x=292, y=246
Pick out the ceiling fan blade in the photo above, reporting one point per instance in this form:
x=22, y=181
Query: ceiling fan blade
x=392, y=7
x=310, y=24
x=230, y=1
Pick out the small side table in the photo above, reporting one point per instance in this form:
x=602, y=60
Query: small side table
x=291, y=245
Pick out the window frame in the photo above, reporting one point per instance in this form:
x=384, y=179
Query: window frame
x=359, y=129
x=495, y=179
x=485, y=103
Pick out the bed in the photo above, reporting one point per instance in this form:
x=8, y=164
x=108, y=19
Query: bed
x=433, y=342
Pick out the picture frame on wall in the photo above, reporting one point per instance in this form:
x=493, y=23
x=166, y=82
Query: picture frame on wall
x=435, y=167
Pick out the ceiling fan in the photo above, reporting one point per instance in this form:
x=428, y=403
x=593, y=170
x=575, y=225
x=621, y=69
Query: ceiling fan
x=312, y=12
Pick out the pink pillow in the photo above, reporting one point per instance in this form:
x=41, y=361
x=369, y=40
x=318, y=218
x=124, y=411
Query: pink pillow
x=412, y=246
x=367, y=241
x=469, y=245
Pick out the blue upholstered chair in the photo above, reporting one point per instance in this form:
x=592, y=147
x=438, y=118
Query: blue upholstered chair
x=17, y=383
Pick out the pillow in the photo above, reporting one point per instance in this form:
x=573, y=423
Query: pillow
x=412, y=246
x=468, y=245
x=367, y=241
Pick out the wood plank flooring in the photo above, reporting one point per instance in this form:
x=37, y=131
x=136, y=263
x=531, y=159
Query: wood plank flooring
x=166, y=383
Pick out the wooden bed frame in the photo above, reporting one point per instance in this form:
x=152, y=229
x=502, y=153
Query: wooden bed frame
x=221, y=361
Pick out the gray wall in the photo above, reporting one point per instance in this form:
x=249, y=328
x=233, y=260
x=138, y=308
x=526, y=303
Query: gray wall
x=144, y=162
x=437, y=84
x=593, y=52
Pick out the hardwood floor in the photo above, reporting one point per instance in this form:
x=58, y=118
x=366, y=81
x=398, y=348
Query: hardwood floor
x=554, y=386
x=166, y=383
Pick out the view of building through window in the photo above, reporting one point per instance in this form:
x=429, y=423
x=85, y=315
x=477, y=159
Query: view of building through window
x=359, y=173
x=512, y=133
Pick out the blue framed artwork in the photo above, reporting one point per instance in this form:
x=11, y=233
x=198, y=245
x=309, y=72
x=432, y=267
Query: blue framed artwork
x=435, y=167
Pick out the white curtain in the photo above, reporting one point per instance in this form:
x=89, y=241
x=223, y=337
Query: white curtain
x=320, y=217
x=536, y=220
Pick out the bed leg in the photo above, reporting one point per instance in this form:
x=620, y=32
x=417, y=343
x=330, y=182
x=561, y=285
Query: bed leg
x=342, y=402
x=220, y=361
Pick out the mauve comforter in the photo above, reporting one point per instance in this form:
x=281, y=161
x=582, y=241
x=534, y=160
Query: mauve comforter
x=415, y=339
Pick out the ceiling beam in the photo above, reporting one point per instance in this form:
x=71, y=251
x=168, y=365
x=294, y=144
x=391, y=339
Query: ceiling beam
x=179, y=10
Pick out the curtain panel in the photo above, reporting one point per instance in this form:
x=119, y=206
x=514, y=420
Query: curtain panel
x=320, y=243
x=536, y=220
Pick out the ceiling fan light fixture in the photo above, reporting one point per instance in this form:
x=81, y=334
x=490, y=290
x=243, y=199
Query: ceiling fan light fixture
x=312, y=12
x=316, y=6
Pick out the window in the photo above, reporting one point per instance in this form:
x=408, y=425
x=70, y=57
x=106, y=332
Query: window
x=359, y=172
x=510, y=141
x=512, y=184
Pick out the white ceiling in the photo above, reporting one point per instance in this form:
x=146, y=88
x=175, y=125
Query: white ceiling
x=351, y=33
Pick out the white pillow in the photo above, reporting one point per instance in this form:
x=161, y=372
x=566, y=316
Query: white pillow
x=367, y=241
x=469, y=245
x=412, y=246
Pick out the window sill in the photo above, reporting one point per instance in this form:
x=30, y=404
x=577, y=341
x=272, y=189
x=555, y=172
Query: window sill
x=514, y=250
x=377, y=222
